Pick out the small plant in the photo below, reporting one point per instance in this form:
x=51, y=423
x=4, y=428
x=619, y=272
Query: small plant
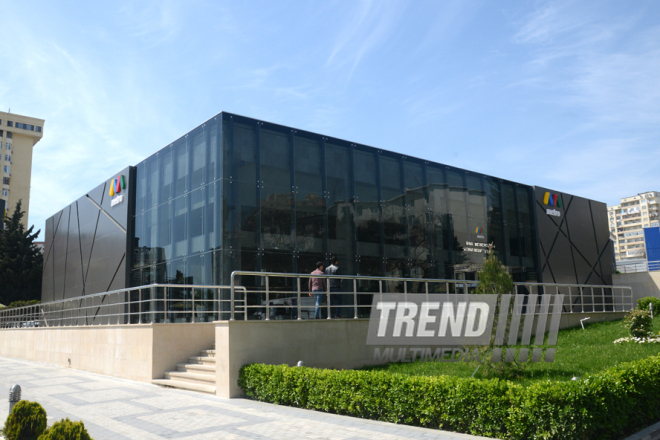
x=65, y=429
x=643, y=304
x=26, y=422
x=639, y=323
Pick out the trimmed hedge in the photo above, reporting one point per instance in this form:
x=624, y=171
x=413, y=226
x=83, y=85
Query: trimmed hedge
x=609, y=405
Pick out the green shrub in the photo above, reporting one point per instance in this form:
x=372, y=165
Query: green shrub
x=609, y=405
x=65, y=429
x=643, y=304
x=26, y=422
x=639, y=323
x=33, y=302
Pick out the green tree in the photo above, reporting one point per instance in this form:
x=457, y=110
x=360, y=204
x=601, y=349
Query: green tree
x=21, y=262
x=494, y=278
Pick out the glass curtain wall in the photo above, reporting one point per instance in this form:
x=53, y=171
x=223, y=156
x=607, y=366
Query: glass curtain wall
x=241, y=194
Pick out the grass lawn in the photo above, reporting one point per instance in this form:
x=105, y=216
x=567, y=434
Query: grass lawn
x=579, y=352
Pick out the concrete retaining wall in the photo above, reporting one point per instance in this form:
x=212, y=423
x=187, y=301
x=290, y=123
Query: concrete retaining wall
x=138, y=352
x=643, y=283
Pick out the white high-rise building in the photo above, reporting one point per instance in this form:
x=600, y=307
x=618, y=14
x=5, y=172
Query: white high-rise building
x=627, y=222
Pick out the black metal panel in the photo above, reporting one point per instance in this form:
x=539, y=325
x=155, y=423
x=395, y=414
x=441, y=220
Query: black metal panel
x=573, y=239
x=87, y=242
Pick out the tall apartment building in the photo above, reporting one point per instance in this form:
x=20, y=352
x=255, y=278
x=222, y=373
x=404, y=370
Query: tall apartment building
x=627, y=223
x=18, y=135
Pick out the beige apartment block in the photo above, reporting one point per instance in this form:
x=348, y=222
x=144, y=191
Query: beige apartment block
x=18, y=135
x=627, y=222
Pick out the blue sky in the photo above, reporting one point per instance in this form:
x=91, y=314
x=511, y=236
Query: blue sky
x=561, y=94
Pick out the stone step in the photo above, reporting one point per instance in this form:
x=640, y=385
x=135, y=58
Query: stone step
x=201, y=379
x=210, y=353
x=203, y=360
x=185, y=385
x=196, y=368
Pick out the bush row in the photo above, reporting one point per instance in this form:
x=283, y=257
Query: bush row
x=610, y=405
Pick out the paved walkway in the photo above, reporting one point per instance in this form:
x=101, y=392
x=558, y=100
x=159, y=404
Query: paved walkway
x=120, y=409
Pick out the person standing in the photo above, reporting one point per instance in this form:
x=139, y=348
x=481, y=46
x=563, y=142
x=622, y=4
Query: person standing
x=335, y=286
x=317, y=288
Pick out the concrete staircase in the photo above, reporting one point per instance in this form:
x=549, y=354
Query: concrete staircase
x=197, y=375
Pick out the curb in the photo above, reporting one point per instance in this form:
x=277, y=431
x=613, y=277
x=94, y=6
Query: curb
x=650, y=433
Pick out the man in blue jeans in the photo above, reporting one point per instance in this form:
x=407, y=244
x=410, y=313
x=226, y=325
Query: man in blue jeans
x=317, y=288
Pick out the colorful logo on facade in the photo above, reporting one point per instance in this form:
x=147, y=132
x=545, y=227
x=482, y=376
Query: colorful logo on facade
x=480, y=231
x=552, y=199
x=117, y=185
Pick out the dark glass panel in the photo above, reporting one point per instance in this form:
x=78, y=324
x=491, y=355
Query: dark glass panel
x=457, y=193
x=181, y=177
x=197, y=157
x=196, y=226
x=418, y=228
x=524, y=206
x=243, y=151
x=309, y=199
x=212, y=193
x=413, y=175
x=241, y=215
x=395, y=268
x=390, y=177
x=514, y=244
x=393, y=215
x=527, y=245
x=164, y=229
x=180, y=226
x=367, y=222
x=341, y=226
x=199, y=269
x=275, y=156
x=138, y=257
x=509, y=196
x=365, y=177
x=276, y=219
x=152, y=182
x=214, y=150
x=166, y=173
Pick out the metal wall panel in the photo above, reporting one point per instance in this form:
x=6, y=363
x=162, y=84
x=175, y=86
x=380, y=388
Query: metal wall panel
x=573, y=239
x=86, y=243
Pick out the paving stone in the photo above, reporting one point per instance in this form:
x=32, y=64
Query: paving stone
x=113, y=408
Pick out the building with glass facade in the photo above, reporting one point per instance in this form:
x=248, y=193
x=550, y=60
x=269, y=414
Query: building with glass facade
x=241, y=194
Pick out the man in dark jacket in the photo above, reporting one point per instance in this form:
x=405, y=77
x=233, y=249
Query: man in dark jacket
x=317, y=288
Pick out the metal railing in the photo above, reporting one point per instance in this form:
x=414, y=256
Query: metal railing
x=267, y=295
x=270, y=295
x=633, y=267
x=156, y=303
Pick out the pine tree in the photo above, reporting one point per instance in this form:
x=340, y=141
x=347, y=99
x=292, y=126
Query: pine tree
x=21, y=262
x=494, y=278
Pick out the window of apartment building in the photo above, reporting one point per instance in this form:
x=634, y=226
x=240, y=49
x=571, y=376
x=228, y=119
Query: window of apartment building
x=8, y=146
x=5, y=193
x=5, y=180
x=8, y=157
x=25, y=126
x=1, y=133
x=7, y=169
x=9, y=135
x=10, y=124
